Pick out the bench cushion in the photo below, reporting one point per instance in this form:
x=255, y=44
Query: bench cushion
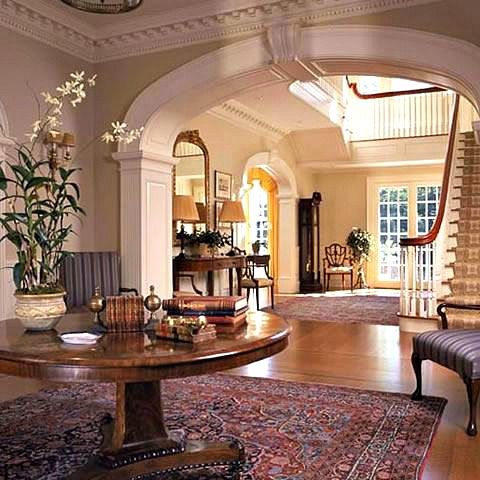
x=458, y=350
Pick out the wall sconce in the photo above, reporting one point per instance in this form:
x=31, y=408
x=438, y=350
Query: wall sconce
x=59, y=145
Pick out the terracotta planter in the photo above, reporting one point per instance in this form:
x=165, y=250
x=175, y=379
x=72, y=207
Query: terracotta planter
x=40, y=312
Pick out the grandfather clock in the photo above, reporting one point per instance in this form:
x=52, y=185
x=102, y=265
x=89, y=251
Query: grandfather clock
x=309, y=242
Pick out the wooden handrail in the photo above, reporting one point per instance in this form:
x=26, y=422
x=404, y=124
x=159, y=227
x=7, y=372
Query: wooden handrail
x=433, y=233
x=372, y=96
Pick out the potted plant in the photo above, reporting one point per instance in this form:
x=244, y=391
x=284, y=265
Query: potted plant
x=42, y=199
x=256, y=246
x=361, y=243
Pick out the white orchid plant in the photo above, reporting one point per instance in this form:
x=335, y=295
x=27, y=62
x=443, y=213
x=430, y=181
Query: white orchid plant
x=41, y=201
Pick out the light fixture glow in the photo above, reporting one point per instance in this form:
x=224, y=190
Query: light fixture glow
x=104, y=6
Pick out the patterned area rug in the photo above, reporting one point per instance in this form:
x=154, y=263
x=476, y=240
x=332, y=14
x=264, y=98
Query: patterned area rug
x=292, y=431
x=369, y=309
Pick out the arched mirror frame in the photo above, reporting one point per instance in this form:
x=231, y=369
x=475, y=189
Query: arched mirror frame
x=193, y=136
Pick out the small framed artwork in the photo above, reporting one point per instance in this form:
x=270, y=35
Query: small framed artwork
x=223, y=185
x=219, y=225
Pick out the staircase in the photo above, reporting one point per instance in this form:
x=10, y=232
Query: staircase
x=464, y=235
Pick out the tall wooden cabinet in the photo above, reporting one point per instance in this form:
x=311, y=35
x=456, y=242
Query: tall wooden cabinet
x=309, y=242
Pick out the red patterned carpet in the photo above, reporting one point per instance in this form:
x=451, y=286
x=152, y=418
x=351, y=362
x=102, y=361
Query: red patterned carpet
x=372, y=309
x=291, y=431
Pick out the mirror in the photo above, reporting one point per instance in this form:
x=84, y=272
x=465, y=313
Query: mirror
x=191, y=174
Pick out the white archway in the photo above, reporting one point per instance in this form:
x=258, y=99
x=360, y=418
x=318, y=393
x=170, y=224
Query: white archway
x=279, y=56
x=271, y=162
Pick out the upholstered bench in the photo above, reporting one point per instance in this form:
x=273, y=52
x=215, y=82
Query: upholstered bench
x=458, y=350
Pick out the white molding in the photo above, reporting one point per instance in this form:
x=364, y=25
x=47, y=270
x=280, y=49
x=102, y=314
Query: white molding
x=198, y=23
x=241, y=116
x=166, y=105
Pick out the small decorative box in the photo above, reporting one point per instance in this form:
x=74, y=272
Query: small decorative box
x=124, y=313
x=186, y=329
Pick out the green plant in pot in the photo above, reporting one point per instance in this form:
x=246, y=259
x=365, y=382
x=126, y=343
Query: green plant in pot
x=361, y=244
x=41, y=200
x=256, y=246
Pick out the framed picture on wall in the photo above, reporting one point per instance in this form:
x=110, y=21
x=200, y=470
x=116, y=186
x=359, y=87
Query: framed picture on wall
x=223, y=185
x=219, y=225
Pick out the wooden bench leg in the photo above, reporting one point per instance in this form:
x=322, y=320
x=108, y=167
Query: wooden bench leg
x=473, y=391
x=417, y=368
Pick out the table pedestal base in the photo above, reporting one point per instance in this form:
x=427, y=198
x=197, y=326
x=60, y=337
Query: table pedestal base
x=137, y=443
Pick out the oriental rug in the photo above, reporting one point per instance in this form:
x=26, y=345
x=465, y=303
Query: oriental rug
x=368, y=309
x=291, y=431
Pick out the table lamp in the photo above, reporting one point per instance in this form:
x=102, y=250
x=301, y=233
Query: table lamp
x=184, y=210
x=232, y=212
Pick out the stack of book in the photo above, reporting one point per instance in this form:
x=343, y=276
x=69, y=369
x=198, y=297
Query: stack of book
x=228, y=314
x=124, y=314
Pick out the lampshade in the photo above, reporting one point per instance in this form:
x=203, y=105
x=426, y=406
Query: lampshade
x=232, y=211
x=184, y=208
x=202, y=212
x=68, y=139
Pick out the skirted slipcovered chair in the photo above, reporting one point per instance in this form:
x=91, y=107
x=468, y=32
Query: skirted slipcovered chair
x=337, y=261
x=456, y=349
x=81, y=272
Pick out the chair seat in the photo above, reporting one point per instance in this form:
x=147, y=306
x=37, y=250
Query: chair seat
x=458, y=350
x=342, y=269
x=250, y=283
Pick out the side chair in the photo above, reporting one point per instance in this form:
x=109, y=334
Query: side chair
x=81, y=272
x=250, y=281
x=337, y=262
x=456, y=349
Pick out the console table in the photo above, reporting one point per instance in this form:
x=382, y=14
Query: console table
x=209, y=265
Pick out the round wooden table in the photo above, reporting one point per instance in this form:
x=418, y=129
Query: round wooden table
x=137, y=442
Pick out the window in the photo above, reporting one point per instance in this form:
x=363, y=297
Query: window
x=392, y=225
x=399, y=210
x=258, y=213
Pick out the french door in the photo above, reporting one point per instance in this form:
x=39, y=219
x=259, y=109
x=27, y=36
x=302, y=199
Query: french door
x=399, y=210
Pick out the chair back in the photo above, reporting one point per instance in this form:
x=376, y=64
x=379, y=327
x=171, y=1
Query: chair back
x=83, y=271
x=335, y=255
x=262, y=261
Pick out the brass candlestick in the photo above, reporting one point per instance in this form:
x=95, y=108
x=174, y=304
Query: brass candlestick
x=152, y=304
x=97, y=304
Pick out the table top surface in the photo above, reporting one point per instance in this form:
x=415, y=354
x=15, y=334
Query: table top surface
x=36, y=354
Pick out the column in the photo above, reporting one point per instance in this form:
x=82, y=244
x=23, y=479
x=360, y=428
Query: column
x=6, y=288
x=287, y=244
x=146, y=220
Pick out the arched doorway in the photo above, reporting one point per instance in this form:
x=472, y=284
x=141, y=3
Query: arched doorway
x=280, y=56
x=287, y=195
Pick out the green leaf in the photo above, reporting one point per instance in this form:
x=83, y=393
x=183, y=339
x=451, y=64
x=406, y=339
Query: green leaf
x=15, y=238
x=38, y=181
x=76, y=188
x=26, y=158
x=18, y=274
x=3, y=180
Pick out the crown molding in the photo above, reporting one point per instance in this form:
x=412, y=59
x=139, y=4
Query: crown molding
x=241, y=116
x=199, y=23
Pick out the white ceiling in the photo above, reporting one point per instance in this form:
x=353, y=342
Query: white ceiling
x=280, y=108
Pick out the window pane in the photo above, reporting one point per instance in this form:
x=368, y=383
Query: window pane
x=393, y=210
x=403, y=226
x=421, y=193
x=403, y=210
x=383, y=195
x=393, y=197
x=432, y=193
x=403, y=194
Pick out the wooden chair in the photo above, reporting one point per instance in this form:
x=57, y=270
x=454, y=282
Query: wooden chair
x=83, y=271
x=456, y=349
x=249, y=281
x=337, y=262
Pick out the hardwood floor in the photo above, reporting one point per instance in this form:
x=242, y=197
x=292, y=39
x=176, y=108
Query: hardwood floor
x=368, y=357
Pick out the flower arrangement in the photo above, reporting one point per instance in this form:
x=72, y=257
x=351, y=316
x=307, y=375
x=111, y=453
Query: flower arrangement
x=211, y=238
x=42, y=197
x=361, y=243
